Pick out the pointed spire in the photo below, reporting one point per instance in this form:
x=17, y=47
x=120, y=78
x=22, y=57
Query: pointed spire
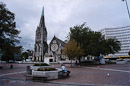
x=54, y=36
x=42, y=20
x=43, y=11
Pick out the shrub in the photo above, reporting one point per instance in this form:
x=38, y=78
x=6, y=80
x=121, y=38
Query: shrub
x=49, y=69
x=44, y=64
x=41, y=64
x=46, y=69
x=36, y=65
x=40, y=69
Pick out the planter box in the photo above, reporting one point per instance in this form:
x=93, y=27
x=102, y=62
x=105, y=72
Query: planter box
x=38, y=73
x=36, y=67
x=49, y=74
x=52, y=74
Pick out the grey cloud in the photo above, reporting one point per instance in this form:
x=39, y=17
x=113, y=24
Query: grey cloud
x=60, y=15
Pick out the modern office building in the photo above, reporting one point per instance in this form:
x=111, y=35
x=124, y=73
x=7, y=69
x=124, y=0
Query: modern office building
x=122, y=34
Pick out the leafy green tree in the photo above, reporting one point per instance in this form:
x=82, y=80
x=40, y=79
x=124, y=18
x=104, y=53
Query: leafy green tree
x=8, y=33
x=129, y=53
x=13, y=53
x=113, y=46
x=73, y=50
x=93, y=43
x=80, y=34
x=25, y=55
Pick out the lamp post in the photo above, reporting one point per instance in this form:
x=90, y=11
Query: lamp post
x=29, y=46
x=29, y=50
x=127, y=7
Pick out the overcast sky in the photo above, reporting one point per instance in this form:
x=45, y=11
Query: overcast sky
x=60, y=15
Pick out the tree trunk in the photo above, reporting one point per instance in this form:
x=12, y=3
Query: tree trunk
x=71, y=62
x=79, y=61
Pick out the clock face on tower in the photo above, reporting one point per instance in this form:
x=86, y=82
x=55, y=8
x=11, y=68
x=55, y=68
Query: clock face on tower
x=54, y=47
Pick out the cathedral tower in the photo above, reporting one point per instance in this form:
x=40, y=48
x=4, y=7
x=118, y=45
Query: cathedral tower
x=40, y=40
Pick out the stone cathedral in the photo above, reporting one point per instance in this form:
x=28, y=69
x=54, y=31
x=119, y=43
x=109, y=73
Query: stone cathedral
x=40, y=46
x=42, y=50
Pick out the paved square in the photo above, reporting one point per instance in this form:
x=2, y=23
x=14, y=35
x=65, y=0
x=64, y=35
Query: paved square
x=119, y=75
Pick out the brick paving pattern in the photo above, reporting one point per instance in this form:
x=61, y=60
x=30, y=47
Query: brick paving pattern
x=80, y=76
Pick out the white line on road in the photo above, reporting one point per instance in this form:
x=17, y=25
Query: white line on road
x=11, y=73
x=109, y=69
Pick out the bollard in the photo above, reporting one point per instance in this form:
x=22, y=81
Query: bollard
x=108, y=74
x=1, y=67
x=11, y=66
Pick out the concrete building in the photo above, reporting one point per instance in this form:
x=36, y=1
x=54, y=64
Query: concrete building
x=40, y=40
x=122, y=34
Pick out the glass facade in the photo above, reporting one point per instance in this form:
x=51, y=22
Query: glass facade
x=122, y=34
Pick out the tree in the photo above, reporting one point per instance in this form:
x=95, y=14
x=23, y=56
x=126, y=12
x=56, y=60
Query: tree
x=8, y=33
x=87, y=38
x=129, y=53
x=93, y=42
x=73, y=50
x=25, y=55
x=12, y=53
x=112, y=45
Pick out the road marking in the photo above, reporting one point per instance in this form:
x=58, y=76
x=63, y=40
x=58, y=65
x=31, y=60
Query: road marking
x=109, y=69
x=11, y=73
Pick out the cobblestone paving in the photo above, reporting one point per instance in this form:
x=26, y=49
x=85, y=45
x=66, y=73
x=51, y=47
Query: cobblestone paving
x=80, y=76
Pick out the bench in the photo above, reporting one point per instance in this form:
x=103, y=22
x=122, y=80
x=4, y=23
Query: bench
x=63, y=74
x=28, y=76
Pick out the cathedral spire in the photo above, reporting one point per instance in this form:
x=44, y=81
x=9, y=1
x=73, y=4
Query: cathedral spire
x=43, y=11
x=41, y=39
x=42, y=20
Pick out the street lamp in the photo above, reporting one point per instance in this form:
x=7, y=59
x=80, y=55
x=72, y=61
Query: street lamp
x=29, y=46
x=127, y=7
x=29, y=50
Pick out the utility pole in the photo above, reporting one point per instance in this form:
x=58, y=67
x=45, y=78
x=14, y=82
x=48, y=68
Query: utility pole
x=127, y=7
